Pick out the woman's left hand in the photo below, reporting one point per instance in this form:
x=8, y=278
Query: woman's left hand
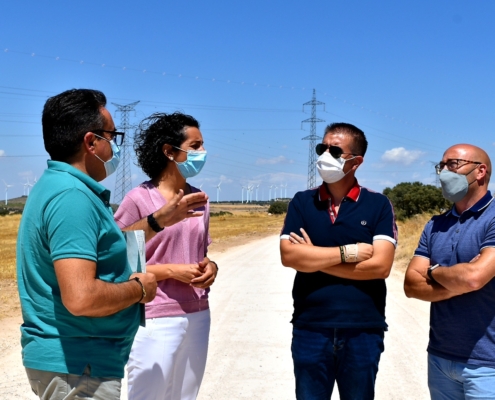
x=210, y=273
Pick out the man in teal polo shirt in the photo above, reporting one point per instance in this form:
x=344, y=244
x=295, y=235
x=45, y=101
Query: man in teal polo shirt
x=78, y=294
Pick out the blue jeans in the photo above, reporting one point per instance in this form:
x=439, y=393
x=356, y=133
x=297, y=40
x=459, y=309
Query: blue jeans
x=452, y=380
x=348, y=356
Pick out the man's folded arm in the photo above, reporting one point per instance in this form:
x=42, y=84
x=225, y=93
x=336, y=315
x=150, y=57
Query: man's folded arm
x=376, y=267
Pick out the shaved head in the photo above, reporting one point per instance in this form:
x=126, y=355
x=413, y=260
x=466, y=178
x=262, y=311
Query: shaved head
x=470, y=153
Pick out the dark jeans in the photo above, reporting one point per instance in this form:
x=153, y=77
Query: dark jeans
x=348, y=356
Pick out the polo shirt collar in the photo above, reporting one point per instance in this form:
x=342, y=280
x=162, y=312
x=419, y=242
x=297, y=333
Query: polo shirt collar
x=94, y=186
x=324, y=194
x=479, y=206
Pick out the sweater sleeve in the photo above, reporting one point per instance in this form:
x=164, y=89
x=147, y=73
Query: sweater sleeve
x=128, y=212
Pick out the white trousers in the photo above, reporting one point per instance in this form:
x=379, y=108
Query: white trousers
x=168, y=357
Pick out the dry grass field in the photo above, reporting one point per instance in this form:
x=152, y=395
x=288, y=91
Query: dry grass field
x=247, y=222
x=409, y=233
x=9, y=302
x=8, y=234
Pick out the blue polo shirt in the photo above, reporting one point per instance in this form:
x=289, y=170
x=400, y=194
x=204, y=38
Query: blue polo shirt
x=68, y=215
x=326, y=301
x=462, y=328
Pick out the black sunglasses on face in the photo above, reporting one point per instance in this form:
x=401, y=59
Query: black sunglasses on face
x=335, y=151
x=117, y=137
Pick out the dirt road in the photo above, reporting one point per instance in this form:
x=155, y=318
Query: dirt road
x=249, y=355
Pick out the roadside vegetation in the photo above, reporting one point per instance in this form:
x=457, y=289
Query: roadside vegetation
x=413, y=198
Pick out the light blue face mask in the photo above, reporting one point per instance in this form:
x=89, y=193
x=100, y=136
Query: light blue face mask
x=112, y=164
x=194, y=163
x=454, y=186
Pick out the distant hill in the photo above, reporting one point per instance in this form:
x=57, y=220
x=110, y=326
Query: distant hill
x=16, y=200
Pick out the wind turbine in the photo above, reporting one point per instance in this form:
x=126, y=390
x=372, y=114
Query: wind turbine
x=257, y=187
x=200, y=186
x=276, y=187
x=249, y=196
x=218, y=191
x=270, y=193
x=28, y=185
x=242, y=194
x=6, y=191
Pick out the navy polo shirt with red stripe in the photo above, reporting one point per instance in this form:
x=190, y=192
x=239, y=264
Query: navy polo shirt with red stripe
x=325, y=301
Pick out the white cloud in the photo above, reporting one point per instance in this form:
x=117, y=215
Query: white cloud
x=386, y=183
x=274, y=160
x=402, y=156
x=2, y=153
x=215, y=181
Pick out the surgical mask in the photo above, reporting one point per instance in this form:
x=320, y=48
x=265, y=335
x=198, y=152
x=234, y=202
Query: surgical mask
x=112, y=164
x=193, y=165
x=331, y=169
x=454, y=186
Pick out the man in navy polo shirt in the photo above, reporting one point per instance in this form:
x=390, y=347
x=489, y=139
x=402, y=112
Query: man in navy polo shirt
x=454, y=268
x=340, y=238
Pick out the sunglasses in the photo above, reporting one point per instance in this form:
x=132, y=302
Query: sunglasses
x=335, y=151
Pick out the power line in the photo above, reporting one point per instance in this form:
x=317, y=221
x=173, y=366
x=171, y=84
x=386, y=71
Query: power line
x=228, y=81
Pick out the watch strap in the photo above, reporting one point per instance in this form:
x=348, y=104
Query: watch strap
x=430, y=270
x=153, y=224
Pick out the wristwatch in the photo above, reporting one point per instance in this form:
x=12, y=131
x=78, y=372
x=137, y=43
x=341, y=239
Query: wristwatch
x=153, y=224
x=430, y=270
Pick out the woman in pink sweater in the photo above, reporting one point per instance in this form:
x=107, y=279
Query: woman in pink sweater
x=168, y=356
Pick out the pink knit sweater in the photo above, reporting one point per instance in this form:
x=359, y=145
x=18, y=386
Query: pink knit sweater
x=183, y=243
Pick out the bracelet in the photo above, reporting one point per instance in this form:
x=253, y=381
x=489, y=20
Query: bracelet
x=143, y=293
x=430, y=270
x=153, y=224
x=216, y=265
x=351, y=252
x=342, y=254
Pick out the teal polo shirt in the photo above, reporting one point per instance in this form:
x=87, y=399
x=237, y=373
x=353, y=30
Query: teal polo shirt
x=68, y=215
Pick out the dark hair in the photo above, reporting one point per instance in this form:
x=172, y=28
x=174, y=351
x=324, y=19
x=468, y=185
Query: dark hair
x=359, y=143
x=155, y=131
x=67, y=117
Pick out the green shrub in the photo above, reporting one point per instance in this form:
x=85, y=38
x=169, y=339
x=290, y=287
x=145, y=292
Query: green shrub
x=220, y=213
x=412, y=198
x=278, y=207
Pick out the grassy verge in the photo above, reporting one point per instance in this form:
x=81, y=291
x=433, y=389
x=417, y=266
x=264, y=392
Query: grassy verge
x=409, y=234
x=8, y=235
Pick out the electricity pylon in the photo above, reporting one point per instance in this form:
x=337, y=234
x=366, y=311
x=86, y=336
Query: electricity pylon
x=313, y=137
x=123, y=173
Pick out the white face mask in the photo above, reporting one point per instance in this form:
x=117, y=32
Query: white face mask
x=331, y=169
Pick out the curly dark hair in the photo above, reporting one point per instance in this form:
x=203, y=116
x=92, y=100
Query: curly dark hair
x=67, y=117
x=155, y=131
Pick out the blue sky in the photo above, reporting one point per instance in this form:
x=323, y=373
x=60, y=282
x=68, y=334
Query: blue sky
x=416, y=76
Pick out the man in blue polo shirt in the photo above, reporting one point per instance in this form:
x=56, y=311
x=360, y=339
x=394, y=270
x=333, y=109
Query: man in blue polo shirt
x=340, y=238
x=78, y=294
x=454, y=268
